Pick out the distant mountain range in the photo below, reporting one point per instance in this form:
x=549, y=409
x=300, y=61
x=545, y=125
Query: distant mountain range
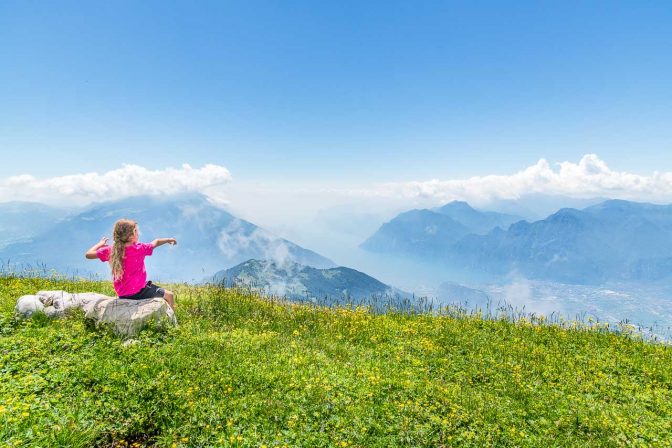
x=208, y=238
x=613, y=240
x=536, y=206
x=431, y=233
x=19, y=221
x=297, y=281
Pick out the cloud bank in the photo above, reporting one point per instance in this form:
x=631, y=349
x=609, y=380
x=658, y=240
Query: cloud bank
x=129, y=180
x=591, y=177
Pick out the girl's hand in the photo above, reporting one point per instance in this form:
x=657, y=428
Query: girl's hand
x=171, y=241
x=91, y=253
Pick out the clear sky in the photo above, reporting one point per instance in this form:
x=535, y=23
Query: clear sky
x=340, y=91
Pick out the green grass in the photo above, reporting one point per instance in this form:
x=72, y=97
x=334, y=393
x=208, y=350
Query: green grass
x=246, y=371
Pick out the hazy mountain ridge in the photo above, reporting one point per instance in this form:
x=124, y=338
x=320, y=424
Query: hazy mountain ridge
x=208, y=238
x=20, y=221
x=612, y=240
x=416, y=232
x=297, y=281
x=431, y=233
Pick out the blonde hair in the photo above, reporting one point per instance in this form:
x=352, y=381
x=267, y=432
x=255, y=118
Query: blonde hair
x=123, y=232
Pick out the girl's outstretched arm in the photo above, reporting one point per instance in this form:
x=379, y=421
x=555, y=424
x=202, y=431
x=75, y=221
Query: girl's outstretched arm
x=161, y=241
x=91, y=253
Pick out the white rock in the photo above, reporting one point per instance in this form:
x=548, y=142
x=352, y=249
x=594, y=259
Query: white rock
x=127, y=316
x=27, y=305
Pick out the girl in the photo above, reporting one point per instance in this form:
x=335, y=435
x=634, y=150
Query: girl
x=127, y=260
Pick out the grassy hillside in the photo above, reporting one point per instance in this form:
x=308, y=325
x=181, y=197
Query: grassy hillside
x=245, y=371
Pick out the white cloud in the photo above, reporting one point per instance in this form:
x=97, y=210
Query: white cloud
x=591, y=177
x=236, y=239
x=129, y=180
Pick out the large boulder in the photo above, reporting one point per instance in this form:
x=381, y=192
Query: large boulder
x=126, y=316
x=129, y=316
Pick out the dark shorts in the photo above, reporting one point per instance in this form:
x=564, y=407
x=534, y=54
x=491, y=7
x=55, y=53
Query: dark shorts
x=148, y=292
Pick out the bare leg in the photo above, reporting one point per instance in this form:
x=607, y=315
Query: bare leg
x=169, y=296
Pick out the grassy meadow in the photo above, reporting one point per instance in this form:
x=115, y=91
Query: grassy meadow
x=247, y=371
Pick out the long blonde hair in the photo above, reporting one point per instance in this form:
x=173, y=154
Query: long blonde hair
x=123, y=232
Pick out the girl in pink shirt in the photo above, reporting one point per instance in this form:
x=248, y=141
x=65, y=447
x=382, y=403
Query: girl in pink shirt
x=127, y=261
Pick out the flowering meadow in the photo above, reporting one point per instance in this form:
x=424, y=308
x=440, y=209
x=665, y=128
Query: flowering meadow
x=249, y=371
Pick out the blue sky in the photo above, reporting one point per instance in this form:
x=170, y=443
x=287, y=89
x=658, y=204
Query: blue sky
x=338, y=92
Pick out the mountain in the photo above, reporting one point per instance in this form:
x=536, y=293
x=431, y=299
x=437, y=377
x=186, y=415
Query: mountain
x=613, y=240
x=297, y=281
x=479, y=222
x=430, y=233
x=19, y=221
x=416, y=232
x=208, y=238
x=536, y=206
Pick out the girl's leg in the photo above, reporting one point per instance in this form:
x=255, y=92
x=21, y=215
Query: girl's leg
x=169, y=296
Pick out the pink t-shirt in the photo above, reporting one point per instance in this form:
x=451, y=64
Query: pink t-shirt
x=135, y=275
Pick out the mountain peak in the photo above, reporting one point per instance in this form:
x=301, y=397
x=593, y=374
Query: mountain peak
x=458, y=206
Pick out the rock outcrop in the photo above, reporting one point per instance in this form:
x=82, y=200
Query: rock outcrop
x=126, y=316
